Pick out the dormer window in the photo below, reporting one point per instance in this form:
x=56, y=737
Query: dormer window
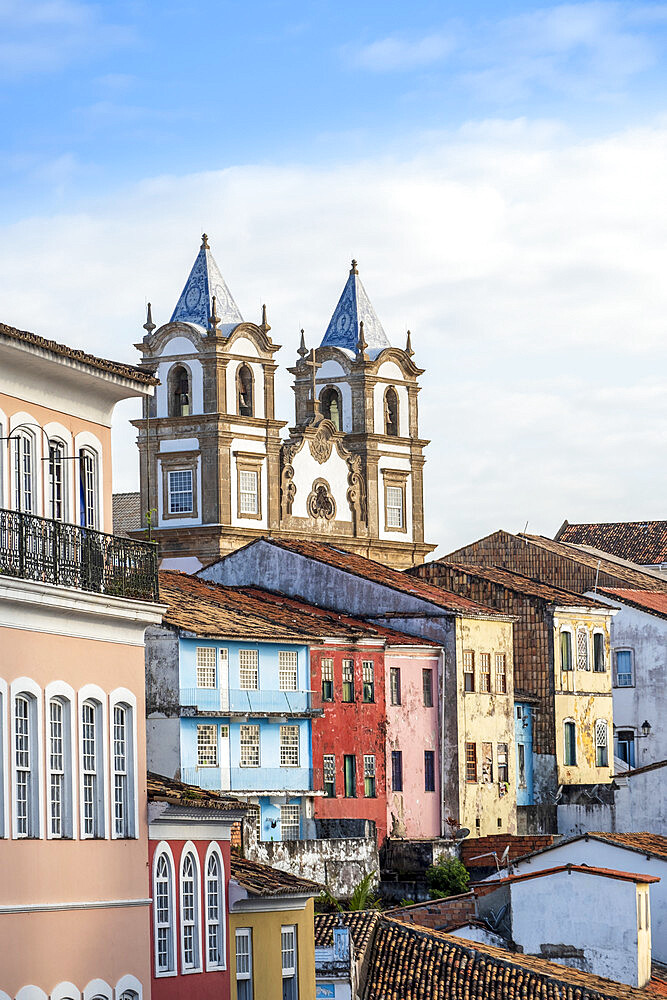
x=180, y=392
x=391, y=412
x=244, y=391
x=331, y=406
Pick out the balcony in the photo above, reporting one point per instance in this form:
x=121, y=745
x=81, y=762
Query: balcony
x=237, y=701
x=253, y=779
x=35, y=548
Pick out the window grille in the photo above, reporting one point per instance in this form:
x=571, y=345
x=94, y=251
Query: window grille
x=429, y=770
x=427, y=687
x=214, y=912
x=397, y=770
x=248, y=493
x=206, y=664
x=487, y=762
x=290, y=822
x=23, y=474
x=207, y=746
x=23, y=723
x=287, y=670
x=468, y=670
x=503, y=767
x=252, y=820
x=327, y=679
x=598, y=653
x=471, y=762
x=485, y=672
x=369, y=776
x=57, y=766
x=249, y=746
x=583, y=662
x=501, y=674
x=348, y=680
x=91, y=825
x=56, y=480
x=601, y=755
x=189, y=913
x=329, y=774
x=289, y=746
x=394, y=499
x=88, y=480
x=368, y=675
x=570, y=732
x=288, y=952
x=566, y=651
x=181, y=499
x=164, y=949
x=395, y=685
x=624, y=668
x=244, y=963
x=248, y=669
x=120, y=755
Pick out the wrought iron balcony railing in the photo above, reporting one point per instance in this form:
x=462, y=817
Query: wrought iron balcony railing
x=249, y=779
x=35, y=548
x=237, y=701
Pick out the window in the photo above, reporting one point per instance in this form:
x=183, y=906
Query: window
x=624, y=668
x=348, y=680
x=566, y=651
x=429, y=770
x=501, y=674
x=248, y=669
x=290, y=822
x=215, y=911
x=427, y=687
x=329, y=775
x=395, y=685
x=60, y=769
x=179, y=485
x=88, y=488
x=394, y=503
x=26, y=766
x=24, y=476
x=503, y=764
x=163, y=912
x=289, y=746
x=397, y=770
x=601, y=752
x=485, y=672
x=598, y=653
x=288, y=950
x=249, y=746
x=179, y=392
x=123, y=771
x=350, y=775
x=368, y=674
x=468, y=670
x=206, y=672
x=583, y=662
x=521, y=757
x=330, y=405
x=471, y=762
x=190, y=911
x=327, y=679
x=244, y=390
x=248, y=493
x=287, y=669
x=57, y=480
x=92, y=798
x=207, y=746
x=369, y=776
x=244, y=963
x=625, y=746
x=487, y=763
x=391, y=412
x=252, y=820
x=570, y=731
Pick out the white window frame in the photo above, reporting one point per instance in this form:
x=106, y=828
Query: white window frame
x=65, y=695
x=28, y=687
x=58, y=445
x=4, y=759
x=293, y=807
x=124, y=698
x=163, y=848
x=288, y=670
x=290, y=748
x=93, y=693
x=243, y=730
x=20, y=467
x=63, y=991
x=615, y=652
x=189, y=850
x=290, y=971
x=128, y=986
x=329, y=768
x=203, y=668
x=89, y=482
x=183, y=492
x=248, y=508
x=97, y=989
x=244, y=933
x=252, y=668
x=214, y=851
x=210, y=729
x=395, y=512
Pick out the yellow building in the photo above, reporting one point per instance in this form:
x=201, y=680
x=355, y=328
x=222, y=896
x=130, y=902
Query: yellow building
x=271, y=927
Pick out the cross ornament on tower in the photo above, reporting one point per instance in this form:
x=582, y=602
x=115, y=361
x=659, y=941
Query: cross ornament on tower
x=313, y=364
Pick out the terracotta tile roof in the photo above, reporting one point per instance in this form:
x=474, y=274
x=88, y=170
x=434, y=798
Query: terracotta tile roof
x=262, y=880
x=613, y=565
x=585, y=869
x=518, y=847
x=162, y=789
x=361, y=923
x=211, y=609
x=368, y=569
x=126, y=513
x=644, y=843
x=412, y=963
x=642, y=542
x=132, y=372
x=653, y=601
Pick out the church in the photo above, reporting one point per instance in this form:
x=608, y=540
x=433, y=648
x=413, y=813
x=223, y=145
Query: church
x=217, y=469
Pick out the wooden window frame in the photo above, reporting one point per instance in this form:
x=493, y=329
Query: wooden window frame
x=471, y=763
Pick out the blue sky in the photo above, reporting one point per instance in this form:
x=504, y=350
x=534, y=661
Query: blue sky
x=497, y=168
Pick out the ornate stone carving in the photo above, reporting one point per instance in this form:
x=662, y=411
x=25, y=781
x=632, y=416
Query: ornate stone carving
x=287, y=490
x=356, y=493
x=320, y=502
x=321, y=444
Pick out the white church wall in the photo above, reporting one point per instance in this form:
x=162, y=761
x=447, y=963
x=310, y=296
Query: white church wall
x=333, y=471
x=177, y=347
x=400, y=465
x=389, y=369
x=245, y=347
x=330, y=369
x=346, y=400
x=378, y=407
x=197, y=388
x=258, y=385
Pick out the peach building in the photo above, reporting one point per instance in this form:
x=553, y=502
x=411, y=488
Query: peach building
x=74, y=603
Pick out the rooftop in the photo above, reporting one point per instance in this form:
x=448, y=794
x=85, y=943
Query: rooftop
x=162, y=789
x=642, y=542
x=652, y=601
x=360, y=922
x=478, y=853
x=126, y=513
x=624, y=569
x=195, y=304
x=355, y=307
x=584, y=869
x=262, y=880
x=643, y=843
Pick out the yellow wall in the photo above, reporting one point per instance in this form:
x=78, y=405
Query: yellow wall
x=583, y=696
x=486, y=718
x=267, y=962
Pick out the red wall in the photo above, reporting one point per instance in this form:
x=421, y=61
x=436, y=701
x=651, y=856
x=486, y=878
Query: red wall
x=195, y=985
x=351, y=728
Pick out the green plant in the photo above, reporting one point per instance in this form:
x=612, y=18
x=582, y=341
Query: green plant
x=448, y=877
x=363, y=897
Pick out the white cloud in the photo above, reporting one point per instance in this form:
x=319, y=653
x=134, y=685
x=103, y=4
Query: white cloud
x=529, y=267
x=390, y=54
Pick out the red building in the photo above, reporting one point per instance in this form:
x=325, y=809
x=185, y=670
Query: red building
x=189, y=866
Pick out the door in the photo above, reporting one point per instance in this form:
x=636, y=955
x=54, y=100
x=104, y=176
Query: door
x=225, y=783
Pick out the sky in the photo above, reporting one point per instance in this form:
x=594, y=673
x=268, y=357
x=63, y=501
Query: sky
x=497, y=169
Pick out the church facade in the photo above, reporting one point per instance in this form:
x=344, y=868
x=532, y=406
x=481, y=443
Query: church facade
x=218, y=469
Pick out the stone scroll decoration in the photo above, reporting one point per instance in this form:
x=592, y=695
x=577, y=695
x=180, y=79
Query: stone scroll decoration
x=320, y=502
x=287, y=484
x=356, y=492
x=322, y=442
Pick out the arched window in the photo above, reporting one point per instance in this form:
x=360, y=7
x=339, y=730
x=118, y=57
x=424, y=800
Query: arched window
x=24, y=473
x=190, y=923
x=26, y=765
x=331, y=406
x=391, y=412
x=215, y=910
x=59, y=735
x=88, y=490
x=180, y=392
x=92, y=770
x=56, y=484
x=123, y=770
x=163, y=912
x=244, y=391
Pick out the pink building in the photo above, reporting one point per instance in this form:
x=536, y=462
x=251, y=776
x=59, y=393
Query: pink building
x=74, y=604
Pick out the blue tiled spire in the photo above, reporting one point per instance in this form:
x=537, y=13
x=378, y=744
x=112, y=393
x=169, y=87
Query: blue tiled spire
x=205, y=281
x=354, y=307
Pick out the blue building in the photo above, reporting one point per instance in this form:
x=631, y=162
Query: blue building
x=523, y=736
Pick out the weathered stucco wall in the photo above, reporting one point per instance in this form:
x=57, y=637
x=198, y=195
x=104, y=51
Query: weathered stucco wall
x=339, y=864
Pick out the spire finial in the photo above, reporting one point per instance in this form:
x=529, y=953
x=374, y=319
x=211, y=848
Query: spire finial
x=204, y=242
x=408, y=346
x=214, y=319
x=302, y=346
x=149, y=325
x=361, y=344
x=353, y=269
x=265, y=322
